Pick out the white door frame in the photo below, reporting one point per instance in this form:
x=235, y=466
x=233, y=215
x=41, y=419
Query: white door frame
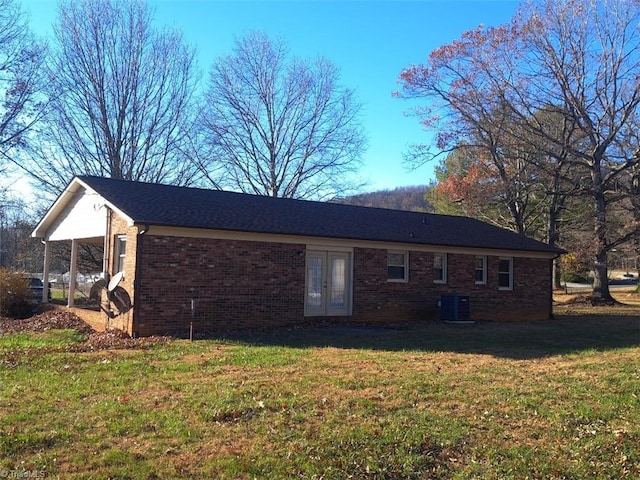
x=328, y=272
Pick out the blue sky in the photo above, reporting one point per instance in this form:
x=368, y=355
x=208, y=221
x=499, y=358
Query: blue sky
x=370, y=41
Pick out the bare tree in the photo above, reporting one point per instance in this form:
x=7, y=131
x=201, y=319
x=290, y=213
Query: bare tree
x=21, y=58
x=281, y=128
x=590, y=55
x=18, y=251
x=571, y=59
x=121, y=97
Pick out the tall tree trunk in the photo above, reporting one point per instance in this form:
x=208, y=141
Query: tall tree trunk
x=557, y=274
x=638, y=270
x=600, y=294
x=553, y=235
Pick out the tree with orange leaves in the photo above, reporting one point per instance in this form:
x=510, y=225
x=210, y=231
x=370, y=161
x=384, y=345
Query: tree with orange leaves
x=557, y=88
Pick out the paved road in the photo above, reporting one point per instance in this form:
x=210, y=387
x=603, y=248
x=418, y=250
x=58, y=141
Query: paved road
x=586, y=287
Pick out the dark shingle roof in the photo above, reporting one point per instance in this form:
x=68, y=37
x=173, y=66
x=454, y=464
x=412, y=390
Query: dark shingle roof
x=164, y=205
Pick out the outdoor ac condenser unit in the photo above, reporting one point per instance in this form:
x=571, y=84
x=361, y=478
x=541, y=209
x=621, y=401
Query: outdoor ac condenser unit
x=455, y=307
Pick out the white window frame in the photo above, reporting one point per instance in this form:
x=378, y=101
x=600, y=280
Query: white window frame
x=405, y=265
x=482, y=281
x=443, y=278
x=502, y=272
x=119, y=257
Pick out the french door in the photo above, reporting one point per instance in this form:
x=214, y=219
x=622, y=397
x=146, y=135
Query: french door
x=328, y=283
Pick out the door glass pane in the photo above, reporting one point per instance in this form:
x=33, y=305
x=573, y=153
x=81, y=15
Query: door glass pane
x=338, y=283
x=314, y=282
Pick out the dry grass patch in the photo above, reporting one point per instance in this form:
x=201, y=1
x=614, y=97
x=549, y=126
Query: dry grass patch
x=626, y=296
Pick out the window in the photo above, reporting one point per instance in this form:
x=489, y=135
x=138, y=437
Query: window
x=397, y=266
x=481, y=270
x=505, y=273
x=440, y=267
x=120, y=252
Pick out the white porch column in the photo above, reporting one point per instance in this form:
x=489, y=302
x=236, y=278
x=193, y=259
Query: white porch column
x=73, y=272
x=45, y=272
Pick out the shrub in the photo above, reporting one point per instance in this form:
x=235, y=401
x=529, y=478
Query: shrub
x=14, y=294
x=574, y=277
x=575, y=267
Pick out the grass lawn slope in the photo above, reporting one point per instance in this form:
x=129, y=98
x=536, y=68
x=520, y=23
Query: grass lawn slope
x=544, y=400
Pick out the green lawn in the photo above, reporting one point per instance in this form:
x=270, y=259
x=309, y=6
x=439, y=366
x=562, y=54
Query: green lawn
x=547, y=400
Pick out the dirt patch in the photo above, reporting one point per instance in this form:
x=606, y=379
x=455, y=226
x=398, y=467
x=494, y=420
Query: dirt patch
x=54, y=319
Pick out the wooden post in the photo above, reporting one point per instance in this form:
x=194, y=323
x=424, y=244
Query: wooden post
x=45, y=272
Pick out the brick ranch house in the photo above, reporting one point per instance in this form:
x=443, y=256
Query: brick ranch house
x=226, y=260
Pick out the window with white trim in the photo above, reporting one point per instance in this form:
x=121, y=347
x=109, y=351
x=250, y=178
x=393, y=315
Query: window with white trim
x=505, y=273
x=481, y=270
x=397, y=266
x=120, y=252
x=440, y=268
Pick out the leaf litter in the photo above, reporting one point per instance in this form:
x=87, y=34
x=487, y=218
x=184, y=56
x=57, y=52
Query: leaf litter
x=93, y=340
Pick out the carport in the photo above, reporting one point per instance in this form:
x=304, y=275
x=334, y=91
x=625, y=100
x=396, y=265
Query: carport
x=78, y=216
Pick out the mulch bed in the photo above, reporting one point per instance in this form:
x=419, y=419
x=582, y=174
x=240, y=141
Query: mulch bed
x=57, y=319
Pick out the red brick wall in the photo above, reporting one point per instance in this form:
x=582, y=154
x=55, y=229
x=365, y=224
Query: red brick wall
x=377, y=301
x=118, y=226
x=235, y=285
x=530, y=298
x=256, y=285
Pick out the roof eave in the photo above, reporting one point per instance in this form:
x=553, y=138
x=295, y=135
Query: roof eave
x=551, y=252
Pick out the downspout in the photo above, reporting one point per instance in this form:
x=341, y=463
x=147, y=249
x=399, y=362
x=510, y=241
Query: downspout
x=136, y=279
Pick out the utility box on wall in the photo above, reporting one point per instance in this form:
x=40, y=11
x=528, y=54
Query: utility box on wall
x=455, y=307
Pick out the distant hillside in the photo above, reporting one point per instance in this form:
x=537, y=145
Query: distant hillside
x=401, y=198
